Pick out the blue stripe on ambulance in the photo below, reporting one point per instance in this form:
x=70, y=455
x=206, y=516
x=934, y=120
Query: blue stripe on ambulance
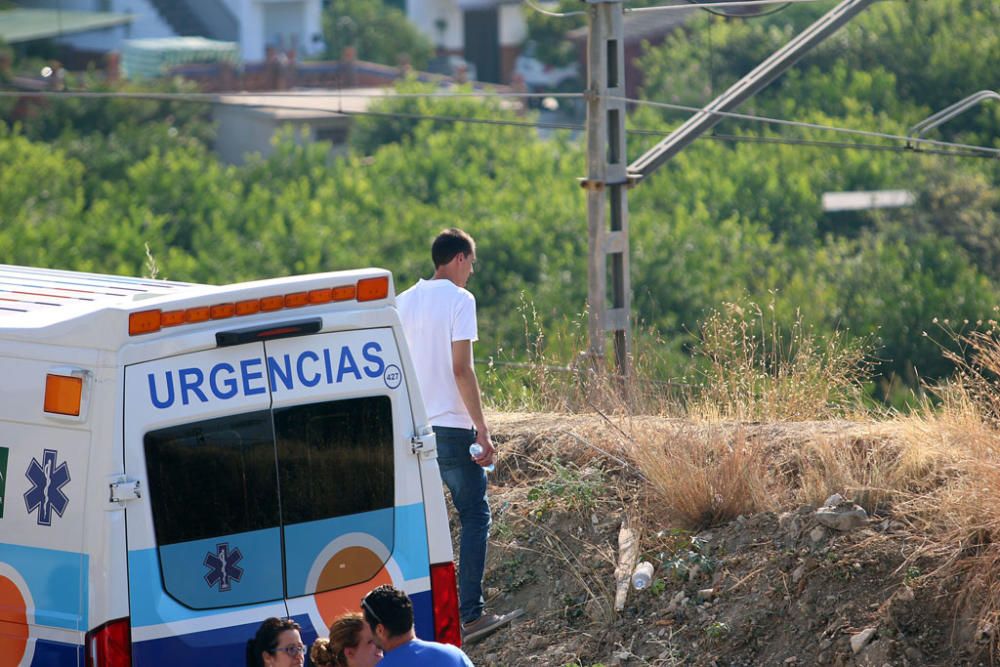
x=56, y=654
x=227, y=646
x=57, y=582
x=150, y=605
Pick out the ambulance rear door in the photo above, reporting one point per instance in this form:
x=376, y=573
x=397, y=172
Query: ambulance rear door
x=351, y=502
x=204, y=537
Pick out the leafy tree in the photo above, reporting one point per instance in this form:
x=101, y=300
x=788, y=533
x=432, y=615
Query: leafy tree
x=397, y=120
x=381, y=33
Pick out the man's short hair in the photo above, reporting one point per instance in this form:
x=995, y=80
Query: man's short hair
x=389, y=606
x=449, y=243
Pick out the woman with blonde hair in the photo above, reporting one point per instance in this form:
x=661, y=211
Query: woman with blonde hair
x=351, y=644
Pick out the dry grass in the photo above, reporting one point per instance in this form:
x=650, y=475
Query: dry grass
x=755, y=371
x=703, y=477
x=760, y=432
x=958, y=521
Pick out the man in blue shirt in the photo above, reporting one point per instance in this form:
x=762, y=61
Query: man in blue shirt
x=389, y=612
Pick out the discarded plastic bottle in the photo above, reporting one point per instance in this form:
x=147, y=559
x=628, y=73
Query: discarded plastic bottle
x=475, y=449
x=643, y=575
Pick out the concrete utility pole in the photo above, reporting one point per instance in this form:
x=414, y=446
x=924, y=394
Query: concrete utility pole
x=607, y=175
x=606, y=184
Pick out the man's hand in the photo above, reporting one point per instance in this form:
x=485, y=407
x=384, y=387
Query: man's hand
x=486, y=458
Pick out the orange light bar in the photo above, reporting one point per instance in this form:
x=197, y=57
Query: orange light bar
x=146, y=321
x=269, y=303
x=222, y=310
x=370, y=289
x=344, y=293
x=172, y=318
x=296, y=299
x=197, y=314
x=318, y=296
x=150, y=321
x=64, y=392
x=248, y=307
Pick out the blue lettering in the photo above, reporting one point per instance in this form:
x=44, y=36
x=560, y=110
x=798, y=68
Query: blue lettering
x=302, y=376
x=347, y=364
x=277, y=372
x=170, y=391
x=248, y=376
x=329, y=365
x=190, y=380
x=230, y=384
x=367, y=353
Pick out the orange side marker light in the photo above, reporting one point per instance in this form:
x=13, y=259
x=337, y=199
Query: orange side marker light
x=63, y=394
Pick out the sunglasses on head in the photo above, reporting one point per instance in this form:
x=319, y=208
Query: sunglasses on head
x=367, y=607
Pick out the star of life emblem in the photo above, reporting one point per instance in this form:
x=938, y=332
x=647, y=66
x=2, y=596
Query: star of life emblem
x=47, y=480
x=222, y=567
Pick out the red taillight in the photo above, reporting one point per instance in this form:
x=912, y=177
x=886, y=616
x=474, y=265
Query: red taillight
x=110, y=645
x=444, y=598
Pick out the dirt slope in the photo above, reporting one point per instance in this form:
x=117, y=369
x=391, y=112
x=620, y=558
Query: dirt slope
x=770, y=588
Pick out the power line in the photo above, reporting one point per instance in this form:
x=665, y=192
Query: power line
x=960, y=150
x=813, y=126
x=658, y=8
x=757, y=15
x=558, y=15
x=955, y=149
x=214, y=98
x=697, y=4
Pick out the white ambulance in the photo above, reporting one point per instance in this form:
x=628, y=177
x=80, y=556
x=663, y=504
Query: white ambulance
x=179, y=462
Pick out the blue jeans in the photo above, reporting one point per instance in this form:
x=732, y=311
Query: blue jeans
x=467, y=483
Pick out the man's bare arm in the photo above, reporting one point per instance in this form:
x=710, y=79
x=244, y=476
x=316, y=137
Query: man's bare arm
x=468, y=389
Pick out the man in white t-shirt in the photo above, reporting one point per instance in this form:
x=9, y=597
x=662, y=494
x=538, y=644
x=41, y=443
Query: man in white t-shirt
x=439, y=319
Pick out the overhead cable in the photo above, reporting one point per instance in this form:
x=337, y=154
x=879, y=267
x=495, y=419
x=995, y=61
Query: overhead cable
x=558, y=15
x=939, y=147
x=697, y=4
x=812, y=126
x=215, y=98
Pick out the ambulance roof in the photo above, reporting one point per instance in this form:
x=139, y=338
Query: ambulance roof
x=50, y=294
x=59, y=301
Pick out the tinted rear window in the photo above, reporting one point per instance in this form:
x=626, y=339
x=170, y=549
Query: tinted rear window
x=335, y=458
x=211, y=478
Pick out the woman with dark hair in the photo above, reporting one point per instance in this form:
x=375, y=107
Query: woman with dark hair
x=351, y=644
x=276, y=644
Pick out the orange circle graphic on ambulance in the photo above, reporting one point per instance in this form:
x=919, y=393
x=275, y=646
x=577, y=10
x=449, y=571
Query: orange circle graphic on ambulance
x=13, y=624
x=348, y=565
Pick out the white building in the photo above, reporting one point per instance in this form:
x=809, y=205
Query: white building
x=255, y=25
x=487, y=33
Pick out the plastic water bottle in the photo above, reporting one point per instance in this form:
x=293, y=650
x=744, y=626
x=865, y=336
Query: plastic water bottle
x=475, y=449
x=643, y=575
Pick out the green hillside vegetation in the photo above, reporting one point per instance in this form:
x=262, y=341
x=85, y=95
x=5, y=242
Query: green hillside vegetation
x=90, y=184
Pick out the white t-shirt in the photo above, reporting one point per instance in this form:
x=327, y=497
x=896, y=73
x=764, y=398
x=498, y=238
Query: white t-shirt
x=436, y=313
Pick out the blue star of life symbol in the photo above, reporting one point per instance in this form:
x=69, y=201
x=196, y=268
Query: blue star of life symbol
x=47, y=480
x=222, y=567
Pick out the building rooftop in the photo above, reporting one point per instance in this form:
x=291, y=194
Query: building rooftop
x=25, y=25
x=309, y=104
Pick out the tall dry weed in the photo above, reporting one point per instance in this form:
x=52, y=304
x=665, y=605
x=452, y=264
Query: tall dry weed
x=959, y=520
x=703, y=478
x=866, y=470
x=755, y=368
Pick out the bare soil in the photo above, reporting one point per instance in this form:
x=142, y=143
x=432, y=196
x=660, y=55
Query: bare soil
x=771, y=588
